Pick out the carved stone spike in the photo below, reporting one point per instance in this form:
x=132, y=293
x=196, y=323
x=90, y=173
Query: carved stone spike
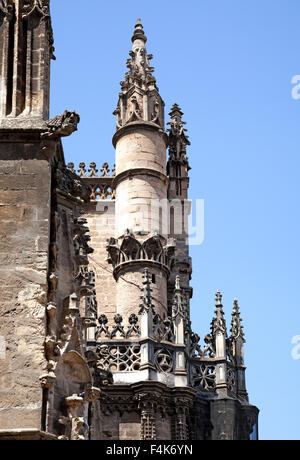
x=82, y=170
x=93, y=170
x=105, y=170
x=118, y=327
x=71, y=167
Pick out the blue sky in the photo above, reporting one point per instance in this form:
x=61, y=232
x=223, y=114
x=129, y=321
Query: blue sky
x=229, y=65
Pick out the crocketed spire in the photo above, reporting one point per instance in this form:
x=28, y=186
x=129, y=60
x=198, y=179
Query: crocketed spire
x=236, y=322
x=138, y=33
x=218, y=323
x=139, y=99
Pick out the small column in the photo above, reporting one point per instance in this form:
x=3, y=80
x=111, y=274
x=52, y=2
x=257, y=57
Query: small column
x=238, y=340
x=179, y=313
x=146, y=313
x=219, y=333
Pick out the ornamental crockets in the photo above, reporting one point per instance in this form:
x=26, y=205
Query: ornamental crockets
x=139, y=98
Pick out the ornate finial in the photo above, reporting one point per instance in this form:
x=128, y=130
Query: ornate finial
x=218, y=323
x=138, y=33
x=139, y=82
x=176, y=112
x=179, y=301
x=236, y=322
x=218, y=299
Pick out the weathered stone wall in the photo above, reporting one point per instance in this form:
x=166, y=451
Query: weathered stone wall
x=24, y=236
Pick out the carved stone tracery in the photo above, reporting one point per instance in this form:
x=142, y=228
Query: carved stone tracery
x=7, y=9
x=30, y=6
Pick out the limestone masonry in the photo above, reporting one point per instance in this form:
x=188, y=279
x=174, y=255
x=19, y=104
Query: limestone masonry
x=96, y=341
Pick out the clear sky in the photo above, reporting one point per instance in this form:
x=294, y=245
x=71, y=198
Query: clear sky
x=229, y=64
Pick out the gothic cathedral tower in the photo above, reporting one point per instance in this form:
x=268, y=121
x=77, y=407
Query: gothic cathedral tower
x=96, y=339
x=165, y=385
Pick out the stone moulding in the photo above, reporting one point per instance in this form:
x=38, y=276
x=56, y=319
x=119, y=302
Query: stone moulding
x=133, y=127
x=139, y=172
x=24, y=434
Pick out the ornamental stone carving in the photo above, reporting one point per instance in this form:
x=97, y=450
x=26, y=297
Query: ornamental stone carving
x=62, y=125
x=126, y=249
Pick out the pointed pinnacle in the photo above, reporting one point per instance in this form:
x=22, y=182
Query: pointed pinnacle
x=236, y=310
x=138, y=33
x=218, y=299
x=176, y=110
x=236, y=322
x=236, y=307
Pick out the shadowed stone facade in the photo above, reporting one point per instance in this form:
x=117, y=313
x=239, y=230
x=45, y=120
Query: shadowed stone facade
x=95, y=331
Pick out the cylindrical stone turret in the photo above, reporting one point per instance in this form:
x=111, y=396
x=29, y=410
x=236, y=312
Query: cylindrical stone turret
x=141, y=183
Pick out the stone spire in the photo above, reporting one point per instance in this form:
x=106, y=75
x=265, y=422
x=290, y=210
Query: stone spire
x=139, y=98
x=218, y=323
x=237, y=341
x=236, y=323
x=138, y=33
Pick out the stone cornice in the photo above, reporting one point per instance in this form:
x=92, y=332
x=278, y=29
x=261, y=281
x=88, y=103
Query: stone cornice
x=139, y=172
x=134, y=126
x=143, y=263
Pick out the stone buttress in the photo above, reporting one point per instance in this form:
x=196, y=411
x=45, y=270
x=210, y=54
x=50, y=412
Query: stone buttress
x=46, y=385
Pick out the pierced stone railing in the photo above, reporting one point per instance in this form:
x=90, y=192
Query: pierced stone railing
x=119, y=357
x=118, y=330
x=100, y=181
x=169, y=348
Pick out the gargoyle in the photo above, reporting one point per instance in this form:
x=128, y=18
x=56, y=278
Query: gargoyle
x=62, y=125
